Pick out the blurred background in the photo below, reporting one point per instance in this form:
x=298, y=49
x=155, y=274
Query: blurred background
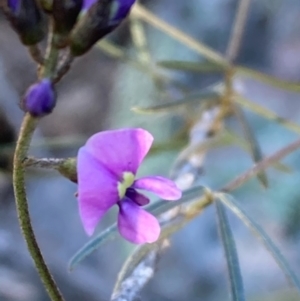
x=97, y=94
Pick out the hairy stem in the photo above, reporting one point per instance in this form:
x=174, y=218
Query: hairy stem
x=28, y=126
x=27, y=129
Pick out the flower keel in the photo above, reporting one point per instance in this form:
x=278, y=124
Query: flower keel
x=137, y=225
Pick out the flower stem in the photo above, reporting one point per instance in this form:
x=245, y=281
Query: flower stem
x=27, y=129
x=36, y=54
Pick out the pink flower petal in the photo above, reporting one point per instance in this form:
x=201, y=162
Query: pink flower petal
x=163, y=187
x=120, y=150
x=137, y=225
x=97, y=190
x=137, y=197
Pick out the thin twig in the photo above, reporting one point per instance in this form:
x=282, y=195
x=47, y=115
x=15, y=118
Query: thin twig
x=260, y=166
x=238, y=30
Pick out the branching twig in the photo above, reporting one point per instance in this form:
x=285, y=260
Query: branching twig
x=260, y=166
x=128, y=285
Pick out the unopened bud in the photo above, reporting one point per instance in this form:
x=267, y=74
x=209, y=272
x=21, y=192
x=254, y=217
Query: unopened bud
x=99, y=19
x=26, y=19
x=40, y=98
x=87, y=4
x=65, y=14
x=46, y=5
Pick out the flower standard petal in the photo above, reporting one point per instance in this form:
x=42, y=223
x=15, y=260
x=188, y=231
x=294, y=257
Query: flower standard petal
x=120, y=150
x=163, y=187
x=137, y=197
x=137, y=225
x=97, y=190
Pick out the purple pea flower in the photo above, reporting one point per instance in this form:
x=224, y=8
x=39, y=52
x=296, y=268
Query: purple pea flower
x=107, y=166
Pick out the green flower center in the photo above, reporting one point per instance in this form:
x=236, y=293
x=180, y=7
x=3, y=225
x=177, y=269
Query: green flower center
x=128, y=179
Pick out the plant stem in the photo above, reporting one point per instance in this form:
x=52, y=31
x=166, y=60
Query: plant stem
x=36, y=54
x=27, y=129
x=261, y=166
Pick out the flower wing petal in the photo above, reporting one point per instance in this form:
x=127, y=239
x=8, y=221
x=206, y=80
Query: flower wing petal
x=120, y=150
x=137, y=225
x=97, y=190
x=163, y=187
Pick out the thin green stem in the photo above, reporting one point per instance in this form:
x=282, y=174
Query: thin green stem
x=27, y=129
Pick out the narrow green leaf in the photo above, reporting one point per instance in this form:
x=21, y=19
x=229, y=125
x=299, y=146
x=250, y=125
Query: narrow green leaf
x=120, y=53
x=230, y=138
x=255, y=149
x=283, y=168
x=199, y=67
x=266, y=113
x=262, y=235
x=205, y=97
x=100, y=239
x=268, y=79
x=209, y=53
x=235, y=277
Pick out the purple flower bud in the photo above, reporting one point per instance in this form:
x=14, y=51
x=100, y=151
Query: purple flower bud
x=26, y=19
x=40, y=98
x=121, y=10
x=65, y=13
x=87, y=4
x=99, y=19
x=13, y=5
